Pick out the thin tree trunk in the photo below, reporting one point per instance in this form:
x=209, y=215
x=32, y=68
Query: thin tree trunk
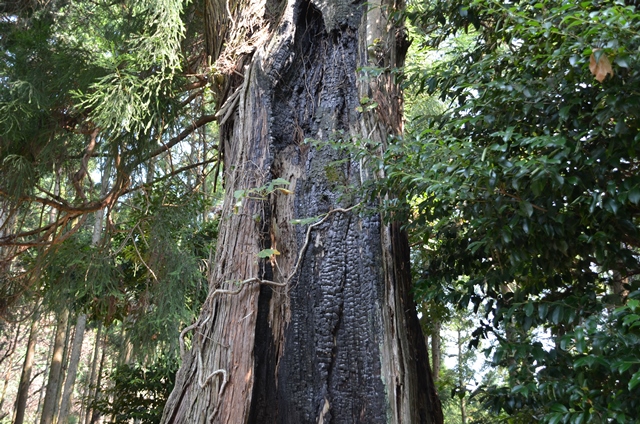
x=461, y=382
x=436, y=350
x=95, y=241
x=326, y=330
x=89, y=392
x=95, y=415
x=55, y=370
x=126, y=349
x=73, y=368
x=63, y=371
x=9, y=365
x=43, y=388
x=25, y=378
x=48, y=393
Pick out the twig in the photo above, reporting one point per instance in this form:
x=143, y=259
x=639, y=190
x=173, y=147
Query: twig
x=229, y=106
x=177, y=139
x=169, y=175
x=308, y=237
x=135, y=246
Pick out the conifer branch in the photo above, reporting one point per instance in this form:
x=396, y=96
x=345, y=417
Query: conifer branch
x=204, y=120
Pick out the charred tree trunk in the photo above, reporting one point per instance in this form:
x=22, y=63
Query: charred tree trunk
x=324, y=330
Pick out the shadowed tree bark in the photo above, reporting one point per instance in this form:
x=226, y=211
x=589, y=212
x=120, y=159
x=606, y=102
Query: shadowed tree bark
x=325, y=329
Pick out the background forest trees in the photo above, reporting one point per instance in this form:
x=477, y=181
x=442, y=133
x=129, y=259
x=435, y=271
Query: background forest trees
x=519, y=166
x=107, y=176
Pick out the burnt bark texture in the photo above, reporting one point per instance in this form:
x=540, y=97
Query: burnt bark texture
x=325, y=331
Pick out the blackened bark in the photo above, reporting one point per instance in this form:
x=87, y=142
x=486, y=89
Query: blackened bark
x=340, y=341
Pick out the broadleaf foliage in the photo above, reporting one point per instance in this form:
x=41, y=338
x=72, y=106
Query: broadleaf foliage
x=525, y=196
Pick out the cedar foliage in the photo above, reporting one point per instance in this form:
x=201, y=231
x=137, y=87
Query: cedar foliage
x=112, y=89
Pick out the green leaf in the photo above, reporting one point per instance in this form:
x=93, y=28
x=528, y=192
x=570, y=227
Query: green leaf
x=279, y=181
x=266, y=253
x=581, y=343
x=583, y=362
x=624, y=366
x=520, y=389
x=529, y=309
x=622, y=62
x=635, y=380
x=630, y=319
x=555, y=418
x=556, y=315
x=527, y=208
x=634, y=195
x=543, y=309
x=558, y=407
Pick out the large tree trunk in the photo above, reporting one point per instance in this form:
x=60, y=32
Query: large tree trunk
x=55, y=370
x=25, y=378
x=326, y=330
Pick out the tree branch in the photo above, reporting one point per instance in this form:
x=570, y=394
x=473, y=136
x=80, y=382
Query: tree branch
x=204, y=120
x=169, y=175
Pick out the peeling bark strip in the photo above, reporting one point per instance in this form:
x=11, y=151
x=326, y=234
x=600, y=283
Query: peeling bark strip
x=339, y=342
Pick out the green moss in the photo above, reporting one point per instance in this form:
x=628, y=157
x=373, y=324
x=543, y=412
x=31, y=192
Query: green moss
x=334, y=173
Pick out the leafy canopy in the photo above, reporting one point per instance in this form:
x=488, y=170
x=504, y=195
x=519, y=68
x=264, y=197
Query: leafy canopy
x=527, y=195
